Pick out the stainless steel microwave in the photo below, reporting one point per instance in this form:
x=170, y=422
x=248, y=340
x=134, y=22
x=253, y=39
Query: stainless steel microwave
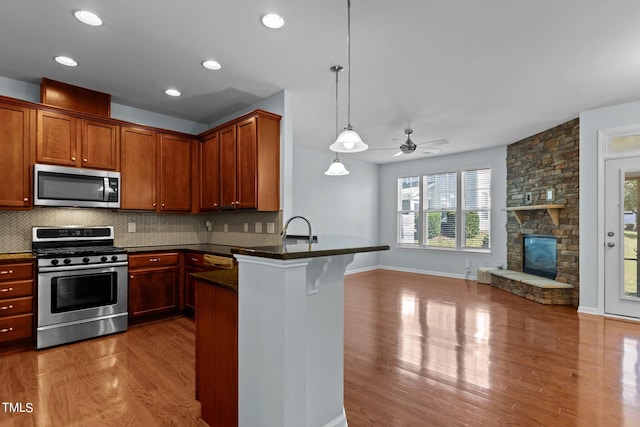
x=64, y=186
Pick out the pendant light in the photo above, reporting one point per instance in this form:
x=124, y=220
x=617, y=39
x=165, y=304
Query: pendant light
x=348, y=141
x=336, y=168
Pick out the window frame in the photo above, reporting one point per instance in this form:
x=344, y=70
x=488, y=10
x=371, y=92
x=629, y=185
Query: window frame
x=460, y=213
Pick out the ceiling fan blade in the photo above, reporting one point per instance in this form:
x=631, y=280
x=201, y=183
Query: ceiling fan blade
x=436, y=142
x=425, y=150
x=397, y=154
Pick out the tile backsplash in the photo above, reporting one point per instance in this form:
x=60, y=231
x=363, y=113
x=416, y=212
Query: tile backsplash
x=151, y=228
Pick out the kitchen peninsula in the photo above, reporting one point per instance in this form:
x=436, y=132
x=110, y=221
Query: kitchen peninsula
x=287, y=303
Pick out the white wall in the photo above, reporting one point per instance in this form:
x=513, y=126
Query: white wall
x=336, y=205
x=446, y=263
x=590, y=122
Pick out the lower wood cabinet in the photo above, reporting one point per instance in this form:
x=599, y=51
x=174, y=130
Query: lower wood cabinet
x=154, y=280
x=16, y=305
x=217, y=353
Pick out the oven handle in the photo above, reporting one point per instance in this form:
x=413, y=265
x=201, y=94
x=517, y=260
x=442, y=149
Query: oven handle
x=82, y=267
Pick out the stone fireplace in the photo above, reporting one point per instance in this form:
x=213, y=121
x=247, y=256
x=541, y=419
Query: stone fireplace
x=546, y=164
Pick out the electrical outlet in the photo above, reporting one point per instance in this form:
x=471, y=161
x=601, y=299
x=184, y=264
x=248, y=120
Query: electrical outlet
x=550, y=194
x=246, y=227
x=131, y=227
x=271, y=227
x=226, y=228
x=208, y=225
x=467, y=263
x=258, y=227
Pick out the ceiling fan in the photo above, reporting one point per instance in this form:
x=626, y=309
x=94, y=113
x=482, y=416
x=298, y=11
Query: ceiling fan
x=409, y=147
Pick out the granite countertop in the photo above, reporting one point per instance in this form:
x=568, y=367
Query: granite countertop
x=16, y=256
x=209, y=248
x=326, y=245
x=223, y=278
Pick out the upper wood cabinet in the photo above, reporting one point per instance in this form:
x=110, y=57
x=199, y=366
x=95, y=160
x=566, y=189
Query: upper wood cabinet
x=248, y=167
x=138, y=168
x=16, y=141
x=209, y=177
x=156, y=171
x=176, y=161
x=67, y=140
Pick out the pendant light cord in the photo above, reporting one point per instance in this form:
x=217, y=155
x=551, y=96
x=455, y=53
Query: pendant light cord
x=348, y=64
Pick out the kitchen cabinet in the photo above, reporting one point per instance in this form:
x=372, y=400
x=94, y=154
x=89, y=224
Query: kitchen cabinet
x=176, y=161
x=217, y=353
x=16, y=304
x=249, y=163
x=138, y=168
x=154, y=281
x=209, y=172
x=156, y=167
x=17, y=132
x=69, y=140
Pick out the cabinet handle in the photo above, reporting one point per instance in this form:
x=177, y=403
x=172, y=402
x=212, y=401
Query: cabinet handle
x=6, y=271
x=131, y=277
x=194, y=259
x=154, y=204
x=85, y=160
x=237, y=202
x=26, y=199
x=163, y=205
x=215, y=205
x=233, y=203
x=7, y=307
x=6, y=290
x=2, y=331
x=154, y=259
x=73, y=158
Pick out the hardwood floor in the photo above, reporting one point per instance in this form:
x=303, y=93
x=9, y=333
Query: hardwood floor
x=419, y=351
x=432, y=351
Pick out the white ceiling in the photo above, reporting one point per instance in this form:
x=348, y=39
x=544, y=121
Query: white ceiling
x=477, y=73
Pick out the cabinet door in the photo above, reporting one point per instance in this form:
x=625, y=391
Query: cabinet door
x=246, y=161
x=138, y=159
x=153, y=291
x=175, y=174
x=228, y=193
x=190, y=286
x=209, y=167
x=15, y=146
x=99, y=145
x=57, y=138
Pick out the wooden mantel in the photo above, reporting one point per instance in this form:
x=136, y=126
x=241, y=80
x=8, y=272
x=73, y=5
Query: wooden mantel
x=553, y=210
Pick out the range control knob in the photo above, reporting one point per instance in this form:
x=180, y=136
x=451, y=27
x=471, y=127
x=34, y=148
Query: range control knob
x=54, y=262
x=103, y=258
x=85, y=260
x=67, y=261
x=114, y=257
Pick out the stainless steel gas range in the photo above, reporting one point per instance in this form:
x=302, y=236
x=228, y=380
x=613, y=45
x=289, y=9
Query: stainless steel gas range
x=82, y=284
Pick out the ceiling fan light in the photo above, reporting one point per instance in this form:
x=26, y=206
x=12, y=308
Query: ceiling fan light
x=336, y=169
x=348, y=142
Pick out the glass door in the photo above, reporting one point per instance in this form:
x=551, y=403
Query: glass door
x=622, y=281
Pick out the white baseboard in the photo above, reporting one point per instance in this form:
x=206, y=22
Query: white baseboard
x=339, y=421
x=361, y=270
x=588, y=310
x=427, y=272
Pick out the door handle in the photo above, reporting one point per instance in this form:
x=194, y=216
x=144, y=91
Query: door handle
x=611, y=244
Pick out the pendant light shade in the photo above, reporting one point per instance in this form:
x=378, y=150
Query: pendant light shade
x=336, y=168
x=348, y=141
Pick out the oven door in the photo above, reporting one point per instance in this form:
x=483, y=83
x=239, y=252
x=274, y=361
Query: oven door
x=69, y=294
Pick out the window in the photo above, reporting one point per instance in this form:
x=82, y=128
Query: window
x=445, y=210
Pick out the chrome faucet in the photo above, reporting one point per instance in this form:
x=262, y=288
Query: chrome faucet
x=284, y=231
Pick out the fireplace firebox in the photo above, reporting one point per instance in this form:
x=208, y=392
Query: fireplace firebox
x=539, y=255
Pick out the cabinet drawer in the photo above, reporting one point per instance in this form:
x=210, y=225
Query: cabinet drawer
x=16, y=289
x=16, y=327
x=15, y=271
x=153, y=260
x=12, y=307
x=194, y=259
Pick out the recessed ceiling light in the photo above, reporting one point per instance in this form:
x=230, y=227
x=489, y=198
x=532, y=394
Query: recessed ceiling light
x=65, y=60
x=272, y=20
x=172, y=92
x=88, y=18
x=211, y=65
